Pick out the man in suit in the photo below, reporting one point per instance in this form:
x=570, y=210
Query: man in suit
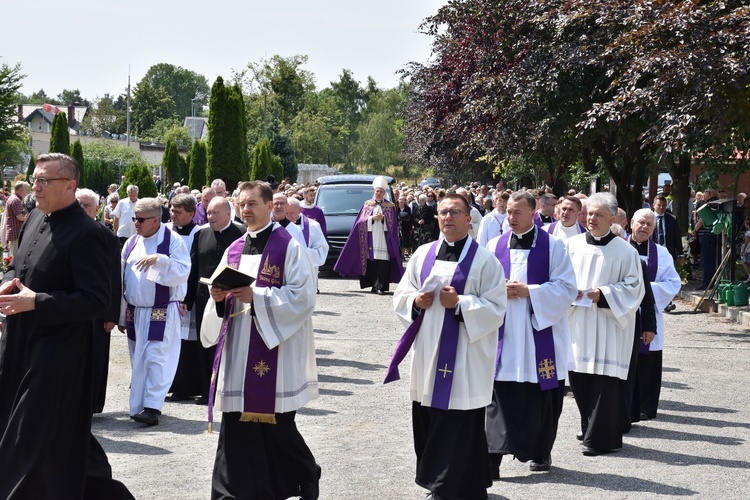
x=667, y=234
x=208, y=246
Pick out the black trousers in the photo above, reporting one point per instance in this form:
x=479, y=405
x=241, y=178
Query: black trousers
x=649, y=382
x=599, y=399
x=451, y=448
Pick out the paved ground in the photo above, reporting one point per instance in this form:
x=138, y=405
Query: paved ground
x=359, y=430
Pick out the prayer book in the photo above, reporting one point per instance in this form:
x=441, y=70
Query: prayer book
x=227, y=278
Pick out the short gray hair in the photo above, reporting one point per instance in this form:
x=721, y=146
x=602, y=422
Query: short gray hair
x=151, y=206
x=524, y=195
x=645, y=211
x=291, y=200
x=606, y=200
x=87, y=193
x=132, y=189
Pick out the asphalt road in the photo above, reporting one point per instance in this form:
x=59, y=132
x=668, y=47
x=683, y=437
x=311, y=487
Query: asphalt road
x=360, y=430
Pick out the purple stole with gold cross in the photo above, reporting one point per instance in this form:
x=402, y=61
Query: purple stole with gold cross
x=443, y=382
x=259, y=402
x=158, y=322
x=537, y=272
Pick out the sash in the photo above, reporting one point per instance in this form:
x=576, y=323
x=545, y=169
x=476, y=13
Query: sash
x=443, y=380
x=551, y=227
x=652, y=263
x=536, y=274
x=262, y=363
x=158, y=321
x=305, y=229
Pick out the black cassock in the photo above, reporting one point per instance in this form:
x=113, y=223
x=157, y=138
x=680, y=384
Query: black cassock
x=193, y=375
x=46, y=446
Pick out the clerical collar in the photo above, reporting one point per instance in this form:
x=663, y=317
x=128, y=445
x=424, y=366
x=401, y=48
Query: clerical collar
x=284, y=222
x=299, y=220
x=600, y=241
x=225, y=227
x=523, y=241
x=641, y=247
x=185, y=230
x=254, y=234
x=62, y=211
x=545, y=218
x=451, y=250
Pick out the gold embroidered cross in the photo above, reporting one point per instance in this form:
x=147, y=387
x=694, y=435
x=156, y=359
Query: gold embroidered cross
x=546, y=369
x=261, y=368
x=445, y=370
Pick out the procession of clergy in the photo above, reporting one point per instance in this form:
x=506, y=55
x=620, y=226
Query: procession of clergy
x=496, y=327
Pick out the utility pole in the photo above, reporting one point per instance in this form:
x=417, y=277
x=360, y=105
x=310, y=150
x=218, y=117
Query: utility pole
x=127, y=143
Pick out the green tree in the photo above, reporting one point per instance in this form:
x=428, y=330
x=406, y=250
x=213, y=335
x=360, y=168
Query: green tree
x=41, y=97
x=379, y=136
x=227, y=135
x=59, y=141
x=350, y=99
x=113, y=154
x=69, y=97
x=138, y=174
x=171, y=163
x=11, y=134
x=263, y=161
x=104, y=116
x=149, y=105
x=99, y=175
x=181, y=85
x=30, y=168
x=198, y=162
x=77, y=153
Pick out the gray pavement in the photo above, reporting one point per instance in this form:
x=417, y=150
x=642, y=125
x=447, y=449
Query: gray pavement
x=360, y=430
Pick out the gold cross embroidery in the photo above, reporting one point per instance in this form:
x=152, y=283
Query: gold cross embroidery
x=445, y=370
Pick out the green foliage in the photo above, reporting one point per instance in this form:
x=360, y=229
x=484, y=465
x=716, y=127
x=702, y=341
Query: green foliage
x=139, y=175
x=166, y=129
x=150, y=104
x=181, y=85
x=69, y=97
x=11, y=134
x=171, y=163
x=227, y=135
x=349, y=97
x=380, y=134
x=107, y=115
x=30, y=168
x=264, y=163
x=59, y=141
x=99, y=175
x=114, y=155
x=77, y=153
x=197, y=166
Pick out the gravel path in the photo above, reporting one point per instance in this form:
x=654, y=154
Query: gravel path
x=360, y=430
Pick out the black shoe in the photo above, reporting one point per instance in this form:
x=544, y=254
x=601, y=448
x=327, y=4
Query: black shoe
x=380, y=292
x=374, y=290
x=148, y=416
x=203, y=400
x=495, y=460
x=591, y=452
x=311, y=491
x=579, y=435
x=177, y=397
x=540, y=465
x=644, y=416
x=670, y=307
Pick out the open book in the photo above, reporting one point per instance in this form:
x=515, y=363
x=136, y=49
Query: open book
x=227, y=278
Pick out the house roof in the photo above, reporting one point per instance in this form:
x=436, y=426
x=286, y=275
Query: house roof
x=197, y=126
x=79, y=112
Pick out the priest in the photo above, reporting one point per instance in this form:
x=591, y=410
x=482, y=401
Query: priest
x=371, y=251
x=568, y=224
x=315, y=240
x=156, y=265
x=665, y=284
x=534, y=344
x=494, y=223
x=265, y=360
x=452, y=298
x=602, y=323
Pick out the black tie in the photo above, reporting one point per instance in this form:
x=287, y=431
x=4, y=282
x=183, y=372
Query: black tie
x=660, y=230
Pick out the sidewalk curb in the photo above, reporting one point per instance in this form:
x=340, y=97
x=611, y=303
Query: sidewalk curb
x=739, y=315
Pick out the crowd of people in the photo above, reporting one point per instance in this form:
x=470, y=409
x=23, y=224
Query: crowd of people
x=507, y=297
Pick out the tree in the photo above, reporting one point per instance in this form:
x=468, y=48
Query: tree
x=11, y=134
x=263, y=161
x=198, y=162
x=114, y=155
x=171, y=163
x=69, y=97
x=105, y=116
x=59, y=141
x=380, y=139
x=138, y=174
x=99, y=175
x=149, y=105
x=349, y=98
x=41, y=97
x=181, y=85
x=30, y=169
x=227, y=135
x=77, y=153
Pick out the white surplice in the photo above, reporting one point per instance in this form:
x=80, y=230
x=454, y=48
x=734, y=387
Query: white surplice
x=550, y=302
x=378, y=230
x=490, y=227
x=482, y=306
x=188, y=331
x=563, y=233
x=284, y=319
x=665, y=287
x=476, y=220
x=602, y=338
x=154, y=363
x=317, y=247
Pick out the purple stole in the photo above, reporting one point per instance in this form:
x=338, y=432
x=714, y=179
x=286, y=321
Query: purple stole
x=305, y=228
x=536, y=274
x=551, y=227
x=538, y=220
x=262, y=362
x=443, y=382
x=652, y=263
x=158, y=322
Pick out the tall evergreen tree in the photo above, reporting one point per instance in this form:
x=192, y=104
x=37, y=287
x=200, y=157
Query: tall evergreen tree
x=77, y=153
x=217, y=136
x=59, y=141
x=262, y=161
x=171, y=163
x=197, y=174
x=30, y=169
x=227, y=135
x=139, y=175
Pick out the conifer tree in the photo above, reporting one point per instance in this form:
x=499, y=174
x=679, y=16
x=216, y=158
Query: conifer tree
x=139, y=175
x=30, y=169
x=77, y=153
x=227, y=135
x=171, y=163
x=197, y=175
x=59, y=141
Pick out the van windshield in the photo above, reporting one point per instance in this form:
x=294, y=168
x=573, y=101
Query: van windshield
x=344, y=200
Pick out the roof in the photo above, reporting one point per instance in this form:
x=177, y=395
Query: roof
x=79, y=112
x=197, y=126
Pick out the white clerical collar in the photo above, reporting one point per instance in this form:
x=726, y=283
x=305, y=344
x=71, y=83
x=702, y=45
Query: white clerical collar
x=533, y=226
x=254, y=234
x=226, y=227
x=599, y=238
x=453, y=243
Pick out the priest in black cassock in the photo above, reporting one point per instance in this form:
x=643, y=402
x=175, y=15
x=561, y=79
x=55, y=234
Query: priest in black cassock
x=208, y=246
x=57, y=285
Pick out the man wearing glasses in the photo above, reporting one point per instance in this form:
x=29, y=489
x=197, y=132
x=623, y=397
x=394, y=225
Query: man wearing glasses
x=156, y=266
x=452, y=298
x=55, y=288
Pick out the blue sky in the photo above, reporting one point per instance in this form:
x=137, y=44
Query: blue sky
x=89, y=44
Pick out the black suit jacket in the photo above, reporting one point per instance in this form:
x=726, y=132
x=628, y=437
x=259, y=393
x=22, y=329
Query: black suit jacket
x=205, y=255
x=672, y=237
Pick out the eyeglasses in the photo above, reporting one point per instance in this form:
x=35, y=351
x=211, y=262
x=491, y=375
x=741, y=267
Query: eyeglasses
x=43, y=182
x=452, y=213
x=141, y=220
